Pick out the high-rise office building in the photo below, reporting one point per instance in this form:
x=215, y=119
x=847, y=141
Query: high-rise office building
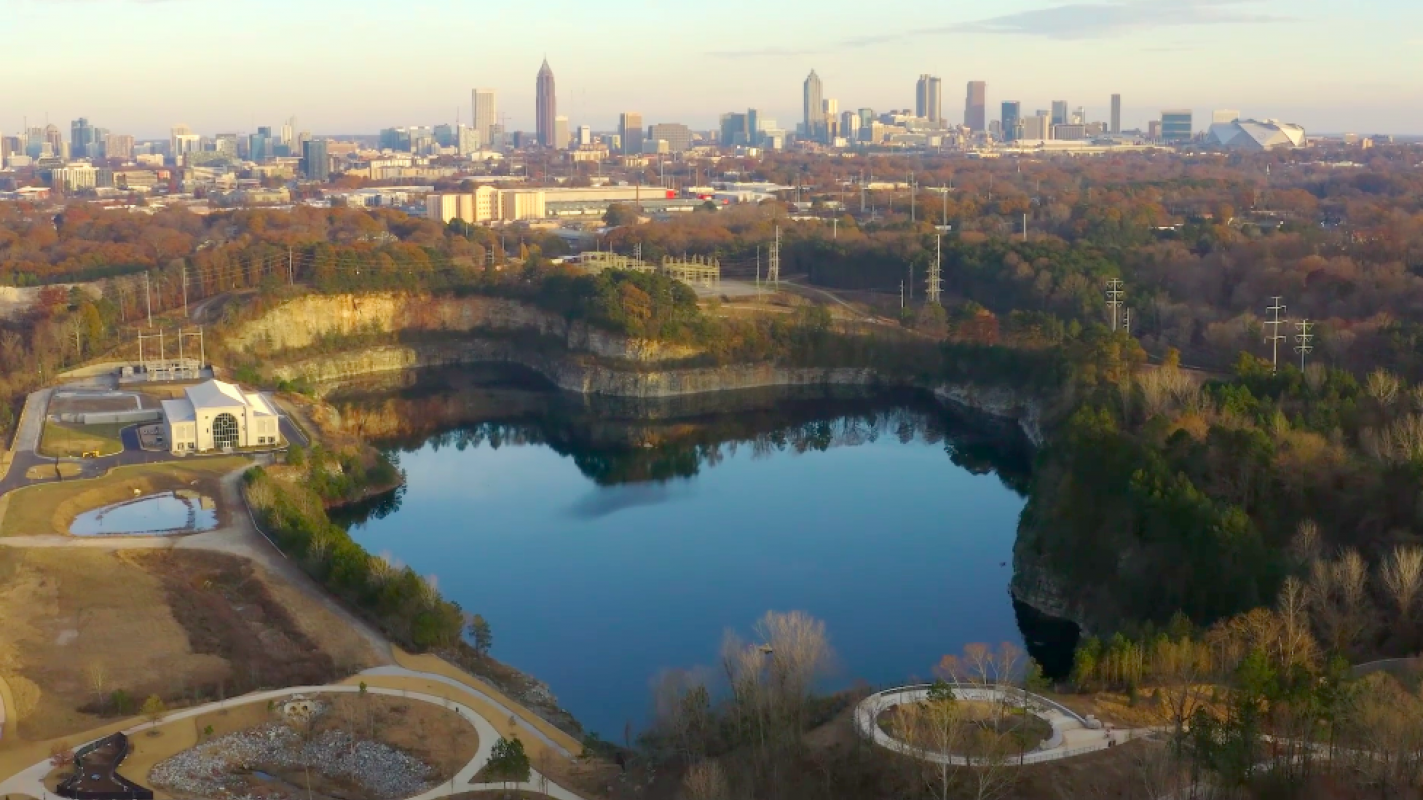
x=1176, y=125
x=259, y=145
x=677, y=136
x=546, y=107
x=226, y=144
x=929, y=98
x=1059, y=112
x=753, y=126
x=630, y=132
x=585, y=135
x=183, y=141
x=1012, y=114
x=485, y=115
x=814, y=103
x=81, y=138
x=1116, y=113
x=830, y=111
x=314, y=160
x=288, y=137
x=118, y=145
x=735, y=129
x=560, y=133
x=975, y=110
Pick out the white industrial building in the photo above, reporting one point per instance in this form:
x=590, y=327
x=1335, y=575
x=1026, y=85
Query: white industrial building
x=219, y=416
x=1255, y=135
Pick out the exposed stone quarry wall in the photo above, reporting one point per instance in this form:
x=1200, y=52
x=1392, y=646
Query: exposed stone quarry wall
x=305, y=320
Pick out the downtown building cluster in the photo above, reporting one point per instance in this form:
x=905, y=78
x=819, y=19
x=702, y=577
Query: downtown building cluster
x=268, y=166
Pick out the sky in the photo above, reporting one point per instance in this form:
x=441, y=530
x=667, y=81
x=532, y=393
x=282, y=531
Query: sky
x=355, y=66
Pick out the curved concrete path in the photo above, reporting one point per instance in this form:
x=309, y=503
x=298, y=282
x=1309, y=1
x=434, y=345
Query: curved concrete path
x=1071, y=735
x=30, y=781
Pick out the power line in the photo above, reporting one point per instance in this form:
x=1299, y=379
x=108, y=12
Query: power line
x=1305, y=340
x=1114, y=299
x=1275, y=337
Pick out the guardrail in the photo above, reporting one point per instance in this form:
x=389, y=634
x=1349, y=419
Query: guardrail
x=869, y=709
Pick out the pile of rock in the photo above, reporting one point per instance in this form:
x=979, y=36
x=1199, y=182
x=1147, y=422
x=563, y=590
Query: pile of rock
x=221, y=767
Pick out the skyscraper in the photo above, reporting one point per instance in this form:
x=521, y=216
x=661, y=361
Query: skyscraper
x=485, y=115
x=1116, y=113
x=259, y=145
x=1176, y=125
x=630, y=131
x=1012, y=113
x=929, y=98
x=975, y=111
x=560, y=133
x=734, y=129
x=314, y=160
x=546, y=106
x=1059, y=112
x=814, y=97
x=81, y=138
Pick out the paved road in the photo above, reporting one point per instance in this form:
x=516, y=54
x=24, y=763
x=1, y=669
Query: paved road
x=30, y=780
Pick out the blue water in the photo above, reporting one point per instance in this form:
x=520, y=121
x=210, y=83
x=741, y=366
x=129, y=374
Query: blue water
x=903, y=554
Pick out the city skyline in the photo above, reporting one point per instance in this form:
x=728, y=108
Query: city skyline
x=1198, y=54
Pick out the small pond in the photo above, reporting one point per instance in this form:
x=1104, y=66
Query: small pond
x=170, y=512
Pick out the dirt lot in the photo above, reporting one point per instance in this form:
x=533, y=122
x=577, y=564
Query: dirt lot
x=82, y=624
x=50, y=508
x=66, y=440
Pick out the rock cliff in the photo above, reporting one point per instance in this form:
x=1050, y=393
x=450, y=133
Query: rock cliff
x=308, y=320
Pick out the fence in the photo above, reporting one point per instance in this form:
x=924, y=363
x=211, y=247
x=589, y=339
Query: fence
x=101, y=781
x=871, y=707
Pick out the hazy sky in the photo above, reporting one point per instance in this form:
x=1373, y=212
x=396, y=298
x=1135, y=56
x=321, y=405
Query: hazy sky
x=140, y=66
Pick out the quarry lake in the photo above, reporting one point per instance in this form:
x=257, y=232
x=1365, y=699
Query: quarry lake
x=607, y=542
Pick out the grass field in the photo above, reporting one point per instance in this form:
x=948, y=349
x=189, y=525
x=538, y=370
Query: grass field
x=82, y=623
x=50, y=508
x=71, y=441
x=66, y=469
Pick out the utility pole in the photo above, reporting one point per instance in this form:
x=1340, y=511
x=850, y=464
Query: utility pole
x=835, y=228
x=290, y=280
x=910, y=283
x=1273, y=323
x=1126, y=321
x=935, y=282
x=148, y=299
x=1025, y=226
x=773, y=269
x=1305, y=339
x=185, y=291
x=912, y=217
x=758, y=273
x=901, y=295
x=1114, y=299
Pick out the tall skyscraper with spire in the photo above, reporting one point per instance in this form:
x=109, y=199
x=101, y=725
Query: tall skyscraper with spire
x=814, y=108
x=546, y=105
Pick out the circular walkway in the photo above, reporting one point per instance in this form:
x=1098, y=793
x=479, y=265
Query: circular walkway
x=1072, y=734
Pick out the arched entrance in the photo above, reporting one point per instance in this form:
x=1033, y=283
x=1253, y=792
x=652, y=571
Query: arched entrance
x=225, y=435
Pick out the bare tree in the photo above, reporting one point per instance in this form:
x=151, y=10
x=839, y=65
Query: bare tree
x=1383, y=387
x=799, y=653
x=936, y=726
x=98, y=677
x=1296, y=643
x=1305, y=546
x=705, y=780
x=1402, y=575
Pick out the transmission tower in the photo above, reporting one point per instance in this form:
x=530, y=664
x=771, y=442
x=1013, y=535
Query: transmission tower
x=773, y=268
x=935, y=282
x=1114, y=299
x=1275, y=337
x=1304, y=339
